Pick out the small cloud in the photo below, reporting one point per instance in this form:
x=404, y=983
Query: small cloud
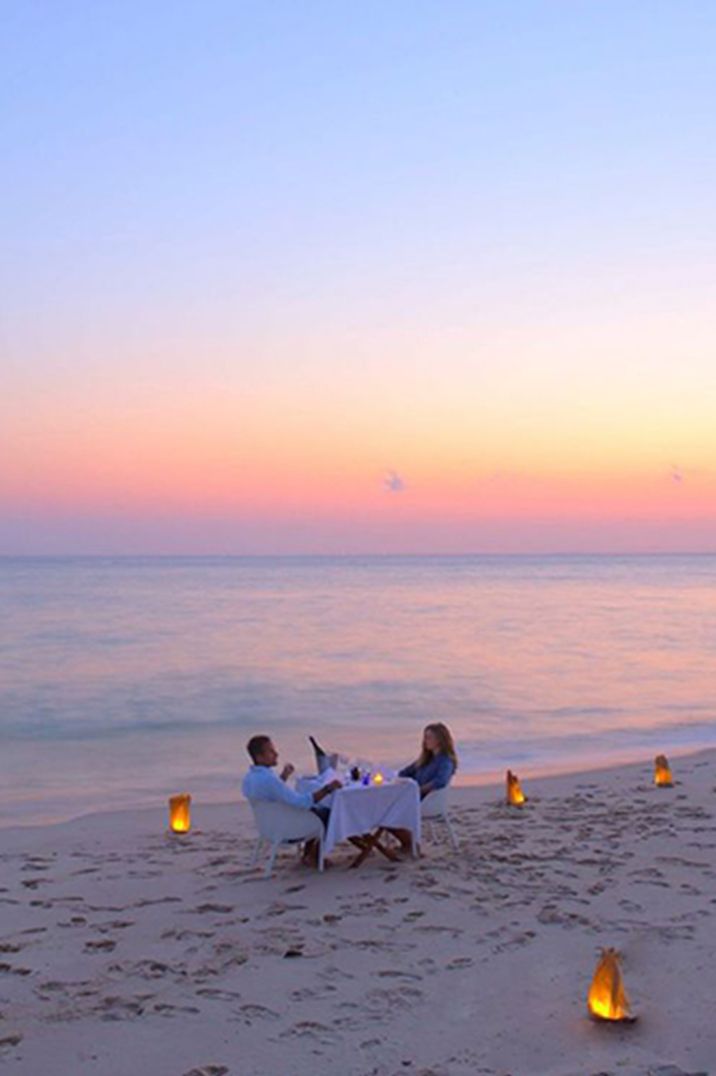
x=393, y=482
x=677, y=475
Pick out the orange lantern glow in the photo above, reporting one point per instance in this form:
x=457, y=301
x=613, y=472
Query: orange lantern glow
x=515, y=795
x=607, y=999
x=378, y=778
x=179, y=813
x=662, y=772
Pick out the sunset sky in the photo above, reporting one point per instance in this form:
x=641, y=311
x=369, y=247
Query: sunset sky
x=358, y=277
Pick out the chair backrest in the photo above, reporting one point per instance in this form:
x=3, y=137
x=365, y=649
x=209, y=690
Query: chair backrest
x=435, y=804
x=281, y=822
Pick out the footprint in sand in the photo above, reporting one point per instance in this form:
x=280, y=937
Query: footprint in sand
x=145, y=902
x=307, y=994
x=518, y=940
x=277, y=908
x=459, y=963
x=165, y=1009
x=380, y=1003
x=13, y=1039
x=116, y=1008
x=180, y=935
x=147, y=969
x=676, y=933
x=257, y=1012
x=334, y=972
x=311, y=1029
x=51, y=986
x=218, y=909
x=214, y=993
x=8, y=969
x=104, y=946
x=390, y=973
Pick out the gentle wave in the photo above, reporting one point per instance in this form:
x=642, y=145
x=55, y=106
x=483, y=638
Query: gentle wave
x=129, y=677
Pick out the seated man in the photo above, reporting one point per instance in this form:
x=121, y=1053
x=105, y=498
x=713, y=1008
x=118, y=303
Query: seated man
x=261, y=783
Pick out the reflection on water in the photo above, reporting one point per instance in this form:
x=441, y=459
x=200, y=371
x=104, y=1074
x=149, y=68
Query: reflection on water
x=124, y=679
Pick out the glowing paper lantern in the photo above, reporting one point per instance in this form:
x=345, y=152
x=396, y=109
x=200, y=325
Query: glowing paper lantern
x=179, y=813
x=378, y=778
x=607, y=999
x=662, y=772
x=515, y=795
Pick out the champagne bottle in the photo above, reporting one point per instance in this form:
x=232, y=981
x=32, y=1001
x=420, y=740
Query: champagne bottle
x=322, y=760
x=320, y=753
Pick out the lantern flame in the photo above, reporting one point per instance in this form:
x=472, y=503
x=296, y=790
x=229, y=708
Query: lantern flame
x=378, y=778
x=515, y=795
x=179, y=813
x=607, y=999
x=662, y=772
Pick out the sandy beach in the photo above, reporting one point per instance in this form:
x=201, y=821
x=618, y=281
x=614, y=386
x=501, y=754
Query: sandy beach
x=125, y=950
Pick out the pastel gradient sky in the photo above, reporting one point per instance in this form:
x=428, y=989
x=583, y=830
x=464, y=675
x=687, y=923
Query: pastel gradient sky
x=358, y=277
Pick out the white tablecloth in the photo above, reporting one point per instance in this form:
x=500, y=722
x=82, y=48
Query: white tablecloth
x=356, y=810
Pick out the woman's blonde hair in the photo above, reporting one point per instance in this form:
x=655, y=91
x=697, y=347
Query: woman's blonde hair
x=446, y=744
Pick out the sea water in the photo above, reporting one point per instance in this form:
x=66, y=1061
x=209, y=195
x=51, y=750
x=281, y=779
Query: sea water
x=123, y=680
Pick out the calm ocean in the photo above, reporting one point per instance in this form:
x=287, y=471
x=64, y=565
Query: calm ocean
x=122, y=680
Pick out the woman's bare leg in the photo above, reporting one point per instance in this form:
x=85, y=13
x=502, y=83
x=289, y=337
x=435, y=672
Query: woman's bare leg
x=405, y=837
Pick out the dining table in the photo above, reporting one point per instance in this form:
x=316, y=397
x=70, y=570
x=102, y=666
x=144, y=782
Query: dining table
x=363, y=813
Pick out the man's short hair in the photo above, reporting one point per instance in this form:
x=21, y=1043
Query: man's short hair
x=257, y=745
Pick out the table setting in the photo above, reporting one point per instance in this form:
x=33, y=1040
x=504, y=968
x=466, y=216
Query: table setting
x=370, y=801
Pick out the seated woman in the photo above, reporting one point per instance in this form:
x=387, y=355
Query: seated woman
x=437, y=762
x=433, y=769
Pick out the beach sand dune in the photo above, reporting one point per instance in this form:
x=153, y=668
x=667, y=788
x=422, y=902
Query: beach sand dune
x=124, y=950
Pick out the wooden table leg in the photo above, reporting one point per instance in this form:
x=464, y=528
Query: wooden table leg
x=368, y=843
x=387, y=852
x=365, y=846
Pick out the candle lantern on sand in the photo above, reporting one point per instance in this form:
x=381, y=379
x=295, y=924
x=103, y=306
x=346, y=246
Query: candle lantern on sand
x=607, y=998
x=179, y=813
x=515, y=795
x=662, y=772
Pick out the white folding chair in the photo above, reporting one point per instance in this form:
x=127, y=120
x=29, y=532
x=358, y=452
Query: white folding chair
x=279, y=823
x=434, y=808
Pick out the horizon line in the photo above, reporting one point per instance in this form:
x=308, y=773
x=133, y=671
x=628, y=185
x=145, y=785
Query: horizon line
x=353, y=556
